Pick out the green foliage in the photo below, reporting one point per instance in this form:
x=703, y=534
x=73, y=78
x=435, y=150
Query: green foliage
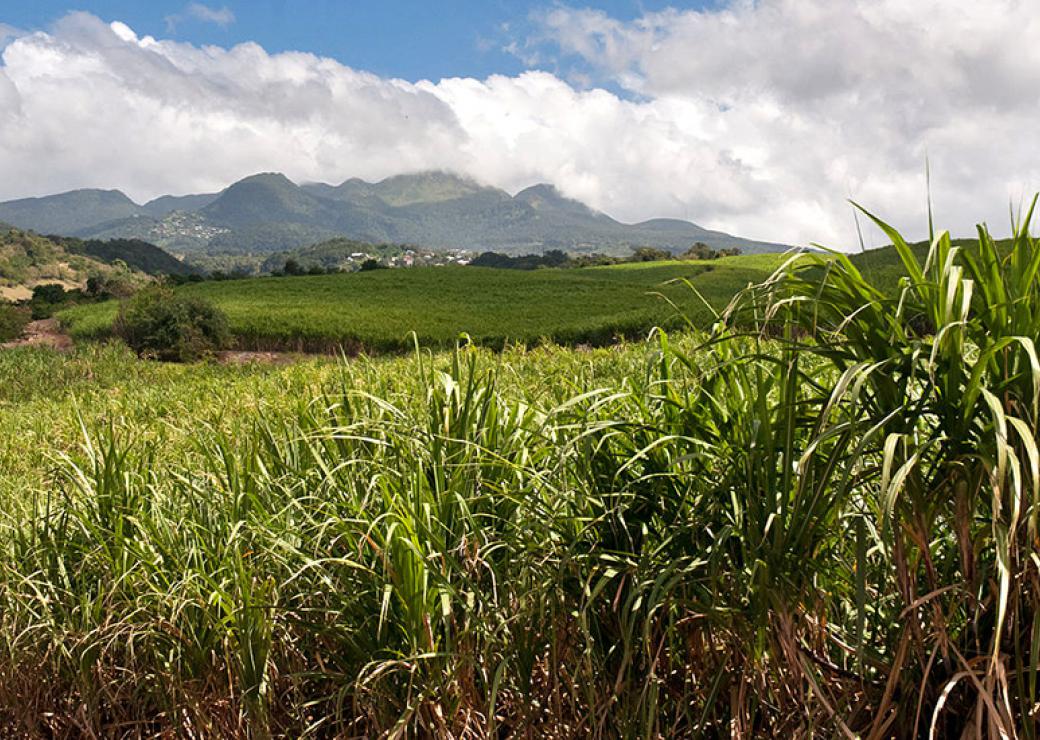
x=701, y=251
x=371, y=264
x=49, y=293
x=47, y=298
x=551, y=258
x=158, y=323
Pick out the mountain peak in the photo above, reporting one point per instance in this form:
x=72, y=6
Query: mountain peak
x=430, y=186
x=69, y=211
x=543, y=197
x=539, y=191
x=261, y=198
x=270, y=179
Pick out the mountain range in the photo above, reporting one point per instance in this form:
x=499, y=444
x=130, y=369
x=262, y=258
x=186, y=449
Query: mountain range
x=439, y=210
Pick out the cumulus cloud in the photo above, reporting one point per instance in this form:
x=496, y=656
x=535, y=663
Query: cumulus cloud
x=756, y=118
x=821, y=99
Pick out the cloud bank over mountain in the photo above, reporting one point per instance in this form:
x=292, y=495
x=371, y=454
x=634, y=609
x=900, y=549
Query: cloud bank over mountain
x=755, y=118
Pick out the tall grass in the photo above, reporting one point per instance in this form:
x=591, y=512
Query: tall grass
x=821, y=520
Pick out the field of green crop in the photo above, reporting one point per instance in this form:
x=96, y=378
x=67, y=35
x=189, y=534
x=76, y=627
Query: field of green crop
x=379, y=310
x=820, y=520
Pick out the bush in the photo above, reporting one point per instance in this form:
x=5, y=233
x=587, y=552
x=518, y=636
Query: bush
x=161, y=324
x=49, y=293
x=118, y=285
x=12, y=321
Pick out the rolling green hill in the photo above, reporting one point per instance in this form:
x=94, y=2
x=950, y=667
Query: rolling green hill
x=378, y=310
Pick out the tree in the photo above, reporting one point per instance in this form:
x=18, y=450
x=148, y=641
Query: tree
x=649, y=254
x=699, y=251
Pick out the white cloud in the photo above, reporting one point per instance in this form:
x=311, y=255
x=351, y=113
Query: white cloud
x=759, y=118
x=821, y=99
x=222, y=16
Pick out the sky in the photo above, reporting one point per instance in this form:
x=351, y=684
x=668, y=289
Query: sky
x=762, y=119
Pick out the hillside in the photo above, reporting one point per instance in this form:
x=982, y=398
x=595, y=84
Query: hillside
x=28, y=259
x=138, y=255
x=270, y=213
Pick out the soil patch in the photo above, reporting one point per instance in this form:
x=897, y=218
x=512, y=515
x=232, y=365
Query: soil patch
x=43, y=333
x=15, y=293
x=235, y=357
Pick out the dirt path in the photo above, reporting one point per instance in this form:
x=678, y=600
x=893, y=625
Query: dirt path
x=44, y=333
x=236, y=357
x=48, y=333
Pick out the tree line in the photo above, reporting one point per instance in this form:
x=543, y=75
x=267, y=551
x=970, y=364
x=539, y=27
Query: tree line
x=560, y=259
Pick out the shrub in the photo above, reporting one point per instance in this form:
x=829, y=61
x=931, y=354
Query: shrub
x=49, y=293
x=12, y=322
x=161, y=324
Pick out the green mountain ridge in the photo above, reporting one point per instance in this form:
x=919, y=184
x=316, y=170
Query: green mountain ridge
x=268, y=212
x=66, y=213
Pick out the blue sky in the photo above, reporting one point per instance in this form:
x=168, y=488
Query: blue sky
x=410, y=39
